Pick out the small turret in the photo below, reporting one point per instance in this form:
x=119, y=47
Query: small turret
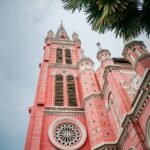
x=50, y=34
x=137, y=54
x=75, y=36
x=102, y=54
x=76, y=39
x=49, y=37
x=85, y=62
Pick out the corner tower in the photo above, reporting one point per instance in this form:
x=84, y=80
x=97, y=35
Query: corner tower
x=57, y=118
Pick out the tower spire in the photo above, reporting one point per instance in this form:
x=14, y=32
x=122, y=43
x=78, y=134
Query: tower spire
x=125, y=42
x=61, y=33
x=99, y=46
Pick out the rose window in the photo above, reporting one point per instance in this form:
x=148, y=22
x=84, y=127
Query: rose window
x=67, y=134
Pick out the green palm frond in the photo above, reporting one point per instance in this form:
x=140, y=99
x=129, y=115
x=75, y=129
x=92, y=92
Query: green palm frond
x=75, y=4
x=127, y=18
x=146, y=16
x=131, y=25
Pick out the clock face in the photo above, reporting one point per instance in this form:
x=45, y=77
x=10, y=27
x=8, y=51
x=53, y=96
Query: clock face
x=67, y=133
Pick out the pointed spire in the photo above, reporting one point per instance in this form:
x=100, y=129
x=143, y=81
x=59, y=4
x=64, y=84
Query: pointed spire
x=99, y=46
x=61, y=33
x=82, y=54
x=125, y=42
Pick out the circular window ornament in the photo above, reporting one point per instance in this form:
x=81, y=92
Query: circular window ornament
x=67, y=133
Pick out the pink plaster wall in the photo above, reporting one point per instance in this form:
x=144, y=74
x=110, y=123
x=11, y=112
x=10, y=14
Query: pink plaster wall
x=98, y=120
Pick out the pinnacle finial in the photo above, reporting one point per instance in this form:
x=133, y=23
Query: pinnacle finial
x=61, y=23
x=75, y=36
x=125, y=42
x=50, y=33
x=82, y=53
x=99, y=46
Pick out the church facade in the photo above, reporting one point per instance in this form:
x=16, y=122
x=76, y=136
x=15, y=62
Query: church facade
x=78, y=108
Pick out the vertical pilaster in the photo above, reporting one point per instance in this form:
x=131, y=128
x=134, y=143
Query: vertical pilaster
x=65, y=91
x=77, y=92
x=41, y=91
x=37, y=129
x=53, y=91
x=63, y=54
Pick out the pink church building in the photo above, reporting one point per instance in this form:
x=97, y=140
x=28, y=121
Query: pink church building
x=78, y=108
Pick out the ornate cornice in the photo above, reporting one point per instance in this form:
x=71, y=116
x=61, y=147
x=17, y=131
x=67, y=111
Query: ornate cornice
x=64, y=73
x=62, y=66
x=63, y=111
x=111, y=68
x=62, y=42
x=64, y=108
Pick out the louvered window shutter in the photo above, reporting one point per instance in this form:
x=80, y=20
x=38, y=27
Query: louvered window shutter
x=68, y=56
x=59, y=90
x=59, y=56
x=71, y=91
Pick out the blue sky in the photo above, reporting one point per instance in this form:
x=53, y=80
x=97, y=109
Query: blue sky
x=23, y=27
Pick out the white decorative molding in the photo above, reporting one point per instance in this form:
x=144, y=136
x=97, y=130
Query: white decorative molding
x=64, y=112
x=64, y=73
x=76, y=144
x=63, y=66
x=132, y=85
x=61, y=42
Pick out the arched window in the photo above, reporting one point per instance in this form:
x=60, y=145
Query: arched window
x=71, y=91
x=68, y=56
x=148, y=132
x=59, y=56
x=59, y=90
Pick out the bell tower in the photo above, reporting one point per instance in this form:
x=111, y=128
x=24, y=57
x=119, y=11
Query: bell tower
x=78, y=108
x=57, y=117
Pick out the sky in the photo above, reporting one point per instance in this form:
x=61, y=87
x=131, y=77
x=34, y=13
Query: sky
x=23, y=28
